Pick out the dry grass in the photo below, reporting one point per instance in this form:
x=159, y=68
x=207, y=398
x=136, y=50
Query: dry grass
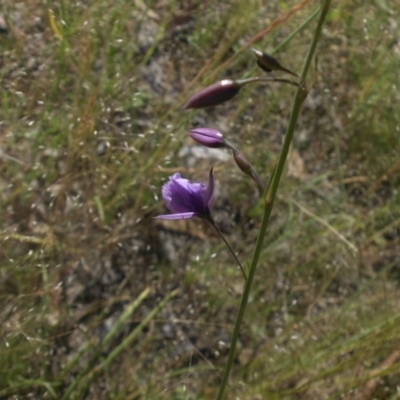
x=90, y=128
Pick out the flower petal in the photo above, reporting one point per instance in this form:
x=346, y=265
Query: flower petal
x=185, y=199
x=186, y=196
x=177, y=216
x=210, y=190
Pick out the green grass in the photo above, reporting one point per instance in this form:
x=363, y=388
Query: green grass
x=93, y=117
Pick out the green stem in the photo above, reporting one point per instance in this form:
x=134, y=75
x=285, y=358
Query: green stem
x=270, y=195
x=263, y=79
x=229, y=247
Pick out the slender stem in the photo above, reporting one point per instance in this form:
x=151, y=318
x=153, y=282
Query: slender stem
x=295, y=32
x=229, y=247
x=243, y=303
x=264, y=79
x=270, y=195
x=4, y=155
x=301, y=94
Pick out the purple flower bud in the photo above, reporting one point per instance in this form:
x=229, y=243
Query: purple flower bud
x=208, y=137
x=213, y=95
x=186, y=200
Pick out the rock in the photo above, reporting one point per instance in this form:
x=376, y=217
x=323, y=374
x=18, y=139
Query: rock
x=3, y=24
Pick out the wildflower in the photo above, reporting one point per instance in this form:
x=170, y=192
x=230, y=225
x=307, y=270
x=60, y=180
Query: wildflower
x=208, y=137
x=186, y=200
x=213, y=95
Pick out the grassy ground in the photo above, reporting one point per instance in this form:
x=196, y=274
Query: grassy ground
x=98, y=300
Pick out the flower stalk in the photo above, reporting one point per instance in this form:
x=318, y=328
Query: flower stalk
x=186, y=200
x=229, y=248
x=270, y=195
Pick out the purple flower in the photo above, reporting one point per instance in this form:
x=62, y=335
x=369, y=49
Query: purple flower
x=208, y=137
x=186, y=200
x=213, y=95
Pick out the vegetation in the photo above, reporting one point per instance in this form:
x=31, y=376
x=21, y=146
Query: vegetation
x=100, y=300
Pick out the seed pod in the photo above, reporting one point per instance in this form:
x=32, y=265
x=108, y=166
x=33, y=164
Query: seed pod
x=247, y=168
x=268, y=63
x=242, y=163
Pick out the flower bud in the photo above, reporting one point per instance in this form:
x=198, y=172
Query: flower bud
x=213, y=95
x=247, y=168
x=242, y=163
x=208, y=137
x=268, y=63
